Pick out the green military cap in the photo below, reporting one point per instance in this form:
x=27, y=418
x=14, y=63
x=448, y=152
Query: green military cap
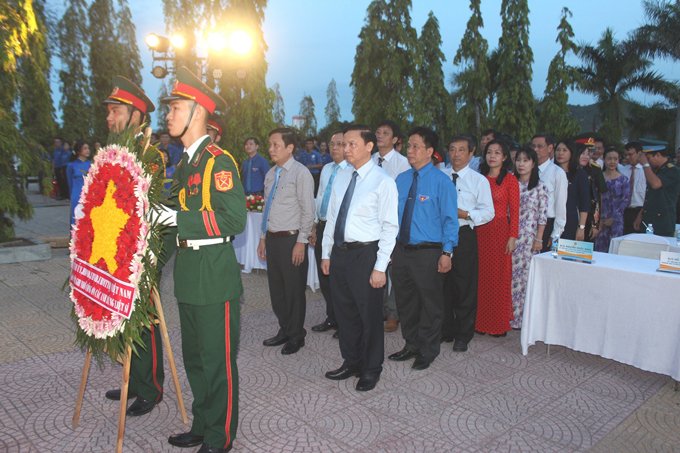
x=188, y=86
x=126, y=92
x=653, y=148
x=215, y=123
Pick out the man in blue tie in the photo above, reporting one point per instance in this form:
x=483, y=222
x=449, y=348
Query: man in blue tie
x=357, y=243
x=428, y=233
x=286, y=226
x=255, y=168
x=323, y=198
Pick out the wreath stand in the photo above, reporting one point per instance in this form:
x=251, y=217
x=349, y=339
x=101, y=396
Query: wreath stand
x=125, y=361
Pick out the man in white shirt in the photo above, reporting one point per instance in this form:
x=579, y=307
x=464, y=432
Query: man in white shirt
x=358, y=241
x=555, y=180
x=475, y=207
x=638, y=185
x=328, y=175
x=598, y=151
x=387, y=133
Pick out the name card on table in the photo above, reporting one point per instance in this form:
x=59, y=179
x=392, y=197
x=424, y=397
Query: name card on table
x=575, y=250
x=670, y=262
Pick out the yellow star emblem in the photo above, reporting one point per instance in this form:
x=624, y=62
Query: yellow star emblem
x=108, y=220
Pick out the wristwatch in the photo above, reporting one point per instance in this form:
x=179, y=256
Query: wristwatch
x=449, y=254
x=581, y=227
x=468, y=218
x=646, y=165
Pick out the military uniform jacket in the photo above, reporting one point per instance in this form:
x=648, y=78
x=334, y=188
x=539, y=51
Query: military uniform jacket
x=210, y=201
x=660, y=204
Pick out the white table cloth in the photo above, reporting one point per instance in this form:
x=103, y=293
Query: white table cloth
x=245, y=246
x=616, y=242
x=619, y=307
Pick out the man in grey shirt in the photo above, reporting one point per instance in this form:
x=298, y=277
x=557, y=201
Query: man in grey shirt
x=287, y=219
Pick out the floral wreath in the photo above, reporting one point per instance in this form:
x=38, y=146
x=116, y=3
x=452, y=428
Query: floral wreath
x=113, y=235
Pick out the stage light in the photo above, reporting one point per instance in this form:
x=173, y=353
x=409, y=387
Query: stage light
x=241, y=74
x=217, y=74
x=240, y=42
x=159, y=72
x=157, y=43
x=177, y=41
x=216, y=41
x=152, y=41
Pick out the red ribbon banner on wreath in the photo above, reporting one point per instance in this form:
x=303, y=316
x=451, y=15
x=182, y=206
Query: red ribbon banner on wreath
x=102, y=288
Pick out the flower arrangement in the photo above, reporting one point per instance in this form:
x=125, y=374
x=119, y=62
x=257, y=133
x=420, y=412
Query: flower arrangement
x=114, y=241
x=254, y=203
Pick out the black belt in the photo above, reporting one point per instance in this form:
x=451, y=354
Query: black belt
x=355, y=245
x=321, y=223
x=421, y=246
x=632, y=207
x=280, y=234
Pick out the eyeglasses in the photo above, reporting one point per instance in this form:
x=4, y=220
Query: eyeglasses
x=535, y=147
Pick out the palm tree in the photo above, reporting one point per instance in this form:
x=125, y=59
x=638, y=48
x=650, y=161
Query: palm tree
x=660, y=37
x=610, y=71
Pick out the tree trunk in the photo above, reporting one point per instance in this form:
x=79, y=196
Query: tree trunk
x=677, y=130
x=478, y=120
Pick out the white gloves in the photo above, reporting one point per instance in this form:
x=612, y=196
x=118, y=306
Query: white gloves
x=163, y=215
x=78, y=212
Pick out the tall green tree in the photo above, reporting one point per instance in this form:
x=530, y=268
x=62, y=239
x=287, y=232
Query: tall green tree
x=279, y=107
x=74, y=87
x=307, y=110
x=384, y=64
x=162, y=110
x=18, y=24
x=610, y=71
x=555, y=116
x=130, y=64
x=37, y=114
x=250, y=101
x=659, y=37
x=493, y=65
x=433, y=107
x=474, y=80
x=105, y=60
x=332, y=110
x=515, y=110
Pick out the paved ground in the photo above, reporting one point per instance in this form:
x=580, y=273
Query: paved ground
x=489, y=399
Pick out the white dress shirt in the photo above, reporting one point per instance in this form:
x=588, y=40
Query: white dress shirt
x=192, y=149
x=373, y=211
x=555, y=180
x=637, y=195
x=325, y=177
x=394, y=163
x=474, y=196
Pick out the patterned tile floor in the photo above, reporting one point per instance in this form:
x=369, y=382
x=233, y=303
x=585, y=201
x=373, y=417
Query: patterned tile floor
x=489, y=399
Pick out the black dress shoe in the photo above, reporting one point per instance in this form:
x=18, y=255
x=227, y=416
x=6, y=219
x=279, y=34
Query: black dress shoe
x=115, y=395
x=402, y=355
x=278, y=340
x=447, y=339
x=142, y=406
x=500, y=335
x=460, y=346
x=185, y=440
x=480, y=333
x=421, y=363
x=336, y=334
x=205, y=448
x=343, y=373
x=367, y=382
x=292, y=346
x=324, y=326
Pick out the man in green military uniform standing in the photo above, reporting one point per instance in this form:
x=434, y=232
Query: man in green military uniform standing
x=663, y=186
x=127, y=106
x=209, y=210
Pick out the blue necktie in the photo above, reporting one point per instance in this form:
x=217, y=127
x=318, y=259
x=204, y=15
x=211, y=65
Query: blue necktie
x=407, y=217
x=327, y=194
x=269, y=200
x=250, y=169
x=344, y=208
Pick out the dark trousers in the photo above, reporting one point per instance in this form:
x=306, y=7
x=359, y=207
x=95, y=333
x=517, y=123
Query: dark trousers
x=419, y=289
x=547, y=235
x=460, y=288
x=358, y=308
x=210, y=335
x=62, y=182
x=287, y=285
x=324, y=280
x=317, y=178
x=146, y=369
x=629, y=216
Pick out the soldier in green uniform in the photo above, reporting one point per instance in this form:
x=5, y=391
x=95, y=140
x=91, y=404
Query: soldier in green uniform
x=127, y=107
x=215, y=128
x=209, y=210
x=663, y=186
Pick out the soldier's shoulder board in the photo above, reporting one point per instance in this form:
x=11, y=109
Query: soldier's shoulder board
x=214, y=149
x=595, y=164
